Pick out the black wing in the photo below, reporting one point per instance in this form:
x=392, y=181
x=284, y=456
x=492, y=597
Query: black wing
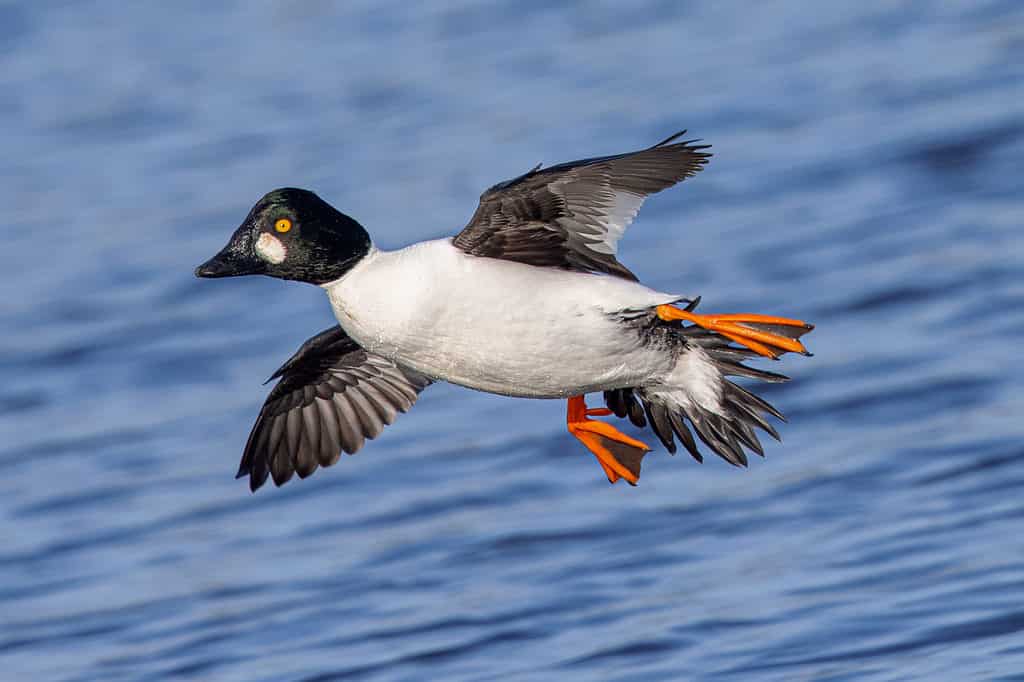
x=572, y=215
x=332, y=395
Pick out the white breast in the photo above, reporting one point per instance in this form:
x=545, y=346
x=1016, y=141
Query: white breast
x=495, y=325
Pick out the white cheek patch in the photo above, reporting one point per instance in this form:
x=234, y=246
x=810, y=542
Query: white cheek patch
x=270, y=249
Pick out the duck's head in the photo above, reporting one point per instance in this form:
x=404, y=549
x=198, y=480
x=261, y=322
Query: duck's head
x=291, y=234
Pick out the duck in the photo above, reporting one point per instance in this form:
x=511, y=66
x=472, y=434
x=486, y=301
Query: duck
x=528, y=300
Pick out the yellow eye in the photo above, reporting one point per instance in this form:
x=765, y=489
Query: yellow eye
x=283, y=225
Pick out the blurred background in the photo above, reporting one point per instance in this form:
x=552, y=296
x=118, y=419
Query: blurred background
x=867, y=177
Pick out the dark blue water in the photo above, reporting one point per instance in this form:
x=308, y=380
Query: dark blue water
x=867, y=177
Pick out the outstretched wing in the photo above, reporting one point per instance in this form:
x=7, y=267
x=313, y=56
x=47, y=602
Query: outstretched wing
x=332, y=395
x=572, y=215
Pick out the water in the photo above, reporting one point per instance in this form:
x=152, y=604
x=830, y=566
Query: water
x=866, y=177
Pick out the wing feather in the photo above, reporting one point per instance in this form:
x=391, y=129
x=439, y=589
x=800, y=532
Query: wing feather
x=332, y=395
x=573, y=215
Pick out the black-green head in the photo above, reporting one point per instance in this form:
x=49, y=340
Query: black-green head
x=291, y=234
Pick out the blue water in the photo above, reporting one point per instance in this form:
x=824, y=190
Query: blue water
x=867, y=177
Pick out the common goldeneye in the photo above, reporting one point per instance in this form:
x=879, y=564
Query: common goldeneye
x=528, y=300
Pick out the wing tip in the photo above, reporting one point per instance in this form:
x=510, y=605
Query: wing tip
x=670, y=138
x=688, y=145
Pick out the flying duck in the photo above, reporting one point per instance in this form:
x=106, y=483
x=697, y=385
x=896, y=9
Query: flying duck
x=528, y=300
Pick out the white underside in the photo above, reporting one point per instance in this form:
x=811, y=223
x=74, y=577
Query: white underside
x=500, y=326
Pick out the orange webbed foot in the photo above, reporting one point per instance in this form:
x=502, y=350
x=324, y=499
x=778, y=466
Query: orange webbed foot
x=618, y=454
x=766, y=335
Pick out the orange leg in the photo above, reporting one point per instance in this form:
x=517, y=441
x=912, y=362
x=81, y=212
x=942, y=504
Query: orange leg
x=743, y=329
x=618, y=454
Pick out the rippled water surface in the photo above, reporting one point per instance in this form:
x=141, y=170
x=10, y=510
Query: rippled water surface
x=867, y=177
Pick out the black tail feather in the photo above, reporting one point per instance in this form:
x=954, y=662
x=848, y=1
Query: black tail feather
x=754, y=416
x=742, y=395
x=684, y=435
x=736, y=369
x=623, y=403
x=658, y=417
